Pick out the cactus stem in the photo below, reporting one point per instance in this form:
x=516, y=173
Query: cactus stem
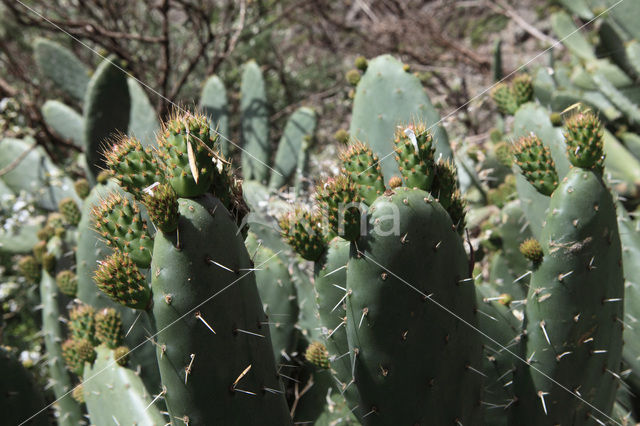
x=199, y=316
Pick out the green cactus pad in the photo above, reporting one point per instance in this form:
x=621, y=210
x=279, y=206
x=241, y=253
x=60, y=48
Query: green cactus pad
x=504, y=99
x=133, y=166
x=536, y=164
x=162, y=207
x=143, y=118
x=213, y=103
x=388, y=95
x=575, y=303
x=255, y=124
x=181, y=135
x=317, y=355
x=70, y=211
x=415, y=155
x=406, y=350
x=302, y=230
x=106, y=112
x=213, y=345
x=340, y=203
x=62, y=67
x=362, y=167
x=116, y=395
x=67, y=282
x=457, y=210
x=64, y=121
x=522, y=86
x=118, y=221
x=108, y=327
x=119, y=277
x=583, y=136
x=29, y=268
x=76, y=353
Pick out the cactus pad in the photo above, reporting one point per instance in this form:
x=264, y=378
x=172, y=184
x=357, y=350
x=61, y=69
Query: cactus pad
x=522, y=86
x=133, y=166
x=415, y=155
x=76, y=353
x=504, y=98
x=67, y=282
x=362, y=166
x=583, y=136
x=70, y=211
x=302, y=230
x=340, y=201
x=81, y=323
x=108, y=326
x=29, y=268
x=162, y=207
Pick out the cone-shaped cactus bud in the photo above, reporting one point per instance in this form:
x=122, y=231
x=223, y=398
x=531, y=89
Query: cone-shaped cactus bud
x=341, y=136
x=39, y=249
x=362, y=167
x=29, y=268
x=458, y=211
x=78, y=393
x=340, y=203
x=504, y=98
x=532, y=250
x=67, y=282
x=81, y=323
x=119, y=222
x=162, y=206
x=353, y=77
x=108, y=327
x=121, y=355
x=45, y=233
x=119, y=278
x=103, y=177
x=186, y=147
x=502, y=151
x=70, y=211
x=395, y=182
x=523, y=88
x=317, y=355
x=414, y=149
x=49, y=262
x=303, y=232
x=82, y=188
x=536, y=164
x=445, y=182
x=361, y=63
x=132, y=165
x=76, y=352
x=583, y=135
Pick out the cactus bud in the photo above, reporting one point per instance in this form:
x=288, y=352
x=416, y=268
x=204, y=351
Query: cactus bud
x=39, y=249
x=109, y=327
x=82, y=188
x=78, y=393
x=361, y=63
x=67, y=283
x=302, y=231
x=29, y=268
x=119, y=277
x=395, y=182
x=119, y=222
x=522, y=88
x=76, y=353
x=133, y=166
x=445, y=182
x=162, y=206
x=504, y=99
x=340, y=202
x=583, y=136
x=121, y=355
x=81, y=323
x=103, y=177
x=70, y=211
x=532, y=250
x=536, y=164
x=415, y=156
x=353, y=77
x=317, y=355
x=362, y=167
x=341, y=136
x=502, y=151
x=49, y=262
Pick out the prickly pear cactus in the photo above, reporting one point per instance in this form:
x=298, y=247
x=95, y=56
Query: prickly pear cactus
x=575, y=296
